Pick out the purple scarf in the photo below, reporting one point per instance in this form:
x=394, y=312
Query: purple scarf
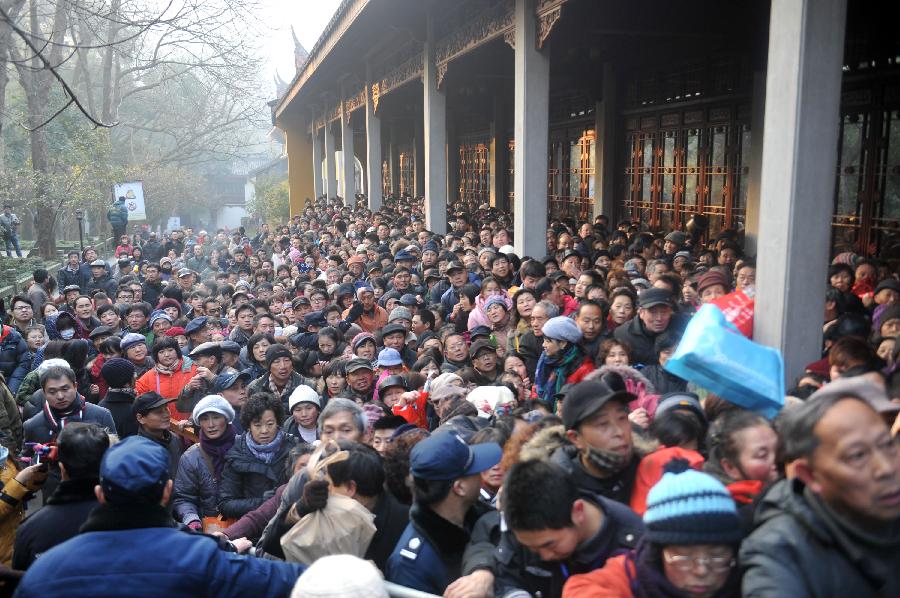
x=264, y=452
x=217, y=448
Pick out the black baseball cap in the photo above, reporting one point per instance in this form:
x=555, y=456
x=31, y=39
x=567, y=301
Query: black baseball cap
x=100, y=331
x=393, y=329
x=481, y=345
x=359, y=363
x=587, y=398
x=654, y=296
x=147, y=402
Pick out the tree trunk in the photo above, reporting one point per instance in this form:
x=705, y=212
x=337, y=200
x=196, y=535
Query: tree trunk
x=37, y=82
x=11, y=8
x=109, y=105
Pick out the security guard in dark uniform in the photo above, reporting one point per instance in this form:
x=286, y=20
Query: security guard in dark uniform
x=447, y=483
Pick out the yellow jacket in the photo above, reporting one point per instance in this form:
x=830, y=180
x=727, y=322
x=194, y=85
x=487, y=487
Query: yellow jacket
x=12, y=509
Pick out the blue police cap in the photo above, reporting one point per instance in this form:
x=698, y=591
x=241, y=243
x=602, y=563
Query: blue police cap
x=195, y=325
x=446, y=456
x=403, y=255
x=134, y=466
x=226, y=381
x=315, y=318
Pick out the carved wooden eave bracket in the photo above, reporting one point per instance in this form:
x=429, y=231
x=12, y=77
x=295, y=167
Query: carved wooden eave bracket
x=376, y=87
x=548, y=13
x=354, y=102
x=440, y=72
x=510, y=38
x=495, y=19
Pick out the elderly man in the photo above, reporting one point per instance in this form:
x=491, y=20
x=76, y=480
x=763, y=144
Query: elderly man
x=208, y=357
x=280, y=378
x=833, y=530
x=656, y=314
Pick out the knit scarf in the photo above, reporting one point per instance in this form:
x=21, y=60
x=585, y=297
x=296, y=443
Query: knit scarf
x=217, y=448
x=166, y=370
x=264, y=452
x=57, y=419
x=551, y=374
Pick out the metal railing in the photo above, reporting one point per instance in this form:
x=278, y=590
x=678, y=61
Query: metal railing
x=20, y=285
x=398, y=591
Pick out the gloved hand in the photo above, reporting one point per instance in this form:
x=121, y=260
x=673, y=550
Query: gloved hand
x=195, y=525
x=355, y=311
x=315, y=496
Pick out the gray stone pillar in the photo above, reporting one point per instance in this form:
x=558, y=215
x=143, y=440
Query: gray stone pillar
x=605, y=148
x=754, y=163
x=373, y=151
x=435, y=130
x=394, y=161
x=331, y=188
x=348, y=174
x=806, y=44
x=498, y=153
x=317, y=161
x=532, y=97
x=419, y=157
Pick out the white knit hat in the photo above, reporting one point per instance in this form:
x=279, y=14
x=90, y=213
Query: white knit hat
x=304, y=394
x=340, y=576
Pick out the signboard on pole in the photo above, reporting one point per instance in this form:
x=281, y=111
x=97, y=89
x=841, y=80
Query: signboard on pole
x=174, y=223
x=134, y=199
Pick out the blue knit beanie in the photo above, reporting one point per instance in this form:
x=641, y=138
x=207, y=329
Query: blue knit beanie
x=562, y=328
x=690, y=507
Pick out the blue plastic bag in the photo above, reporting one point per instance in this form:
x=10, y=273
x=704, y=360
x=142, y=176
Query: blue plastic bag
x=714, y=355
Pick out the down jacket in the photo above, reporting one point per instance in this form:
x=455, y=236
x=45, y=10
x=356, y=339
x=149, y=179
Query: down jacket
x=15, y=358
x=196, y=490
x=246, y=481
x=168, y=385
x=801, y=548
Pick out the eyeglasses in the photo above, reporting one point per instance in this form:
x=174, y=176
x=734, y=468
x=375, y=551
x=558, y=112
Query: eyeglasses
x=684, y=562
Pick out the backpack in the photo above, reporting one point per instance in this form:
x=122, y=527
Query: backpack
x=114, y=215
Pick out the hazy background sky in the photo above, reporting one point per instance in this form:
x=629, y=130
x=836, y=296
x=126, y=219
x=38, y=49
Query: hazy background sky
x=308, y=17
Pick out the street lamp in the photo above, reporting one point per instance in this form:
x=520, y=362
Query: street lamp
x=79, y=216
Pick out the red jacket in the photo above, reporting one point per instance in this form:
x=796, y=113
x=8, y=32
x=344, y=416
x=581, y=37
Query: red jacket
x=610, y=581
x=168, y=385
x=586, y=367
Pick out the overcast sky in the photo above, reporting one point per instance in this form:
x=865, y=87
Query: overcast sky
x=308, y=17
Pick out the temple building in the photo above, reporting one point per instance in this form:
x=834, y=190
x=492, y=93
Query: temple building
x=780, y=119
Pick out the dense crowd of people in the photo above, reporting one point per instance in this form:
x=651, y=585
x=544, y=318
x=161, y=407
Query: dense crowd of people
x=348, y=397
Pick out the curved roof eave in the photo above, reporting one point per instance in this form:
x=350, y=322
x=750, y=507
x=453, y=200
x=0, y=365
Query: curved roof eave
x=344, y=16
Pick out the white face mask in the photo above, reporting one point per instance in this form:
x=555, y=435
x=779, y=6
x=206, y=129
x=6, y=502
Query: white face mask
x=67, y=334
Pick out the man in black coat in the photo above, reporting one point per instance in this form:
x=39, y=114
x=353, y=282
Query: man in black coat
x=118, y=374
x=834, y=529
x=81, y=448
x=656, y=314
